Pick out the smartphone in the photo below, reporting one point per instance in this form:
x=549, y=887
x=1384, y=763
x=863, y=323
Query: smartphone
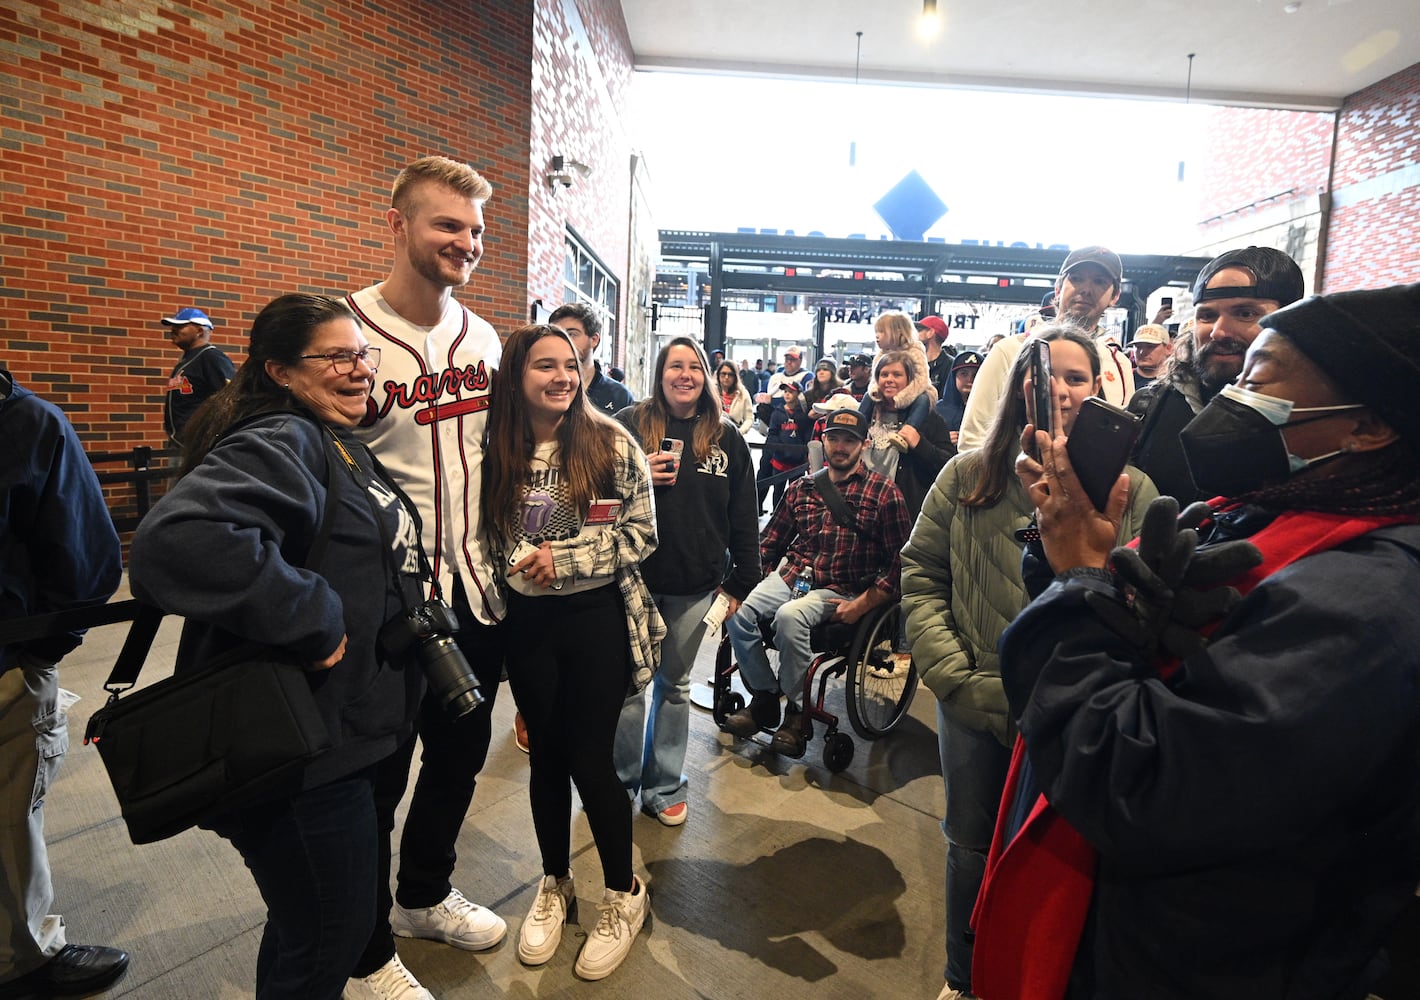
x=1042, y=397
x=675, y=446
x=1099, y=446
x=1166, y=302
x=521, y=552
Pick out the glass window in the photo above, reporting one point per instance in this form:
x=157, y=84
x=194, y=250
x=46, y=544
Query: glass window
x=585, y=280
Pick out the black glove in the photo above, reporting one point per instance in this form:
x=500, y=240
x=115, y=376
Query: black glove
x=1172, y=589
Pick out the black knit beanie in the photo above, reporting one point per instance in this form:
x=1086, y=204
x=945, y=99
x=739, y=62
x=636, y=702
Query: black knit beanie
x=1368, y=343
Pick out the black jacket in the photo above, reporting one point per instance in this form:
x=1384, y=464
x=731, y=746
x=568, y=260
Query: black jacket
x=227, y=547
x=707, y=522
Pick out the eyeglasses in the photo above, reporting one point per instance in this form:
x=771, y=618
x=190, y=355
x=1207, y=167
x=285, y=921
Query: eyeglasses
x=344, y=361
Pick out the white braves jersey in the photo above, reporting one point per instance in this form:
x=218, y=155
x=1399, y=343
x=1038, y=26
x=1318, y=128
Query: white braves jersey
x=425, y=419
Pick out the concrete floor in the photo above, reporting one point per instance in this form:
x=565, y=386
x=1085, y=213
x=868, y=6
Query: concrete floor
x=786, y=881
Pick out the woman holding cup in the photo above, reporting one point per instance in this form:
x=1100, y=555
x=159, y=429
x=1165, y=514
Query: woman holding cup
x=707, y=523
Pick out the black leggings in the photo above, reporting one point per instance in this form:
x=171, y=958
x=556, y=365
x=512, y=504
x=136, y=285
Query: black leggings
x=569, y=667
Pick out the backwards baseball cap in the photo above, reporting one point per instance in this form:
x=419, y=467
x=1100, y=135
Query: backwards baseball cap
x=189, y=315
x=1151, y=333
x=860, y=361
x=966, y=359
x=937, y=325
x=1276, y=277
x=1368, y=343
x=1103, y=256
x=850, y=421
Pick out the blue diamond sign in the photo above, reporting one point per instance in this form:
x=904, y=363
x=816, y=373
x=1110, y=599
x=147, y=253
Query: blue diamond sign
x=910, y=208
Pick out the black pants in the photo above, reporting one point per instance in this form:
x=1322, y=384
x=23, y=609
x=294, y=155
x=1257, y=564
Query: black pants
x=454, y=752
x=569, y=665
x=313, y=858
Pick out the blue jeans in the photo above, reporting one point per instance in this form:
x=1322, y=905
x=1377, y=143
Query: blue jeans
x=650, y=752
x=792, y=621
x=313, y=856
x=974, y=766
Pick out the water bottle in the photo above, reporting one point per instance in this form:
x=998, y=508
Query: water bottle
x=804, y=582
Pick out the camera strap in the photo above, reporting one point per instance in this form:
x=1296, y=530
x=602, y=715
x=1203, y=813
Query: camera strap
x=837, y=506
x=378, y=471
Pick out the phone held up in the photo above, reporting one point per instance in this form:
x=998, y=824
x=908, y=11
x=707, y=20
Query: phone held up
x=676, y=447
x=1042, y=414
x=1099, y=446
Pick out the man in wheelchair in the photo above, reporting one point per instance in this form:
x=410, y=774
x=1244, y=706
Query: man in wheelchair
x=826, y=564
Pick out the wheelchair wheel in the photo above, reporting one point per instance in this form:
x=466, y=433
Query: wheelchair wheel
x=837, y=751
x=880, y=681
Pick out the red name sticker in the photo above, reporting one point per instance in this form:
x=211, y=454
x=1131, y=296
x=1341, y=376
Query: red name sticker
x=603, y=511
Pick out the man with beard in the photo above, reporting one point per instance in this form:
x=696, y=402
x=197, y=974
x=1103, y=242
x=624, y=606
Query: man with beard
x=1232, y=294
x=425, y=423
x=1089, y=283
x=825, y=565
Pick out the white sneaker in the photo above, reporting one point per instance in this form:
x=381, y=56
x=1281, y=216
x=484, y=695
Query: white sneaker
x=950, y=994
x=556, y=903
x=392, y=981
x=622, y=914
x=455, y=921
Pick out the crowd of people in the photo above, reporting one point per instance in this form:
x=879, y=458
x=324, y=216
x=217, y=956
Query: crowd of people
x=1177, y=725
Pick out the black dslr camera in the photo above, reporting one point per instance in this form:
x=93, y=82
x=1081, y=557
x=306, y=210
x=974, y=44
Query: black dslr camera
x=429, y=627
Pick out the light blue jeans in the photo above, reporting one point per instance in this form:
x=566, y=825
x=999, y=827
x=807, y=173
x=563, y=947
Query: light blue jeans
x=792, y=621
x=650, y=749
x=974, y=765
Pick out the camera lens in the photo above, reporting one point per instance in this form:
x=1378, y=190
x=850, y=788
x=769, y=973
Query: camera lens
x=449, y=674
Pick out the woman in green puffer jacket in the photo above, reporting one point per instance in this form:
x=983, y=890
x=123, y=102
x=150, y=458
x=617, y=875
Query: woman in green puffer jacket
x=961, y=586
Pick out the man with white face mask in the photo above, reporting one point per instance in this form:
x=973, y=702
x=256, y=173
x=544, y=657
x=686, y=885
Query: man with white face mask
x=1233, y=294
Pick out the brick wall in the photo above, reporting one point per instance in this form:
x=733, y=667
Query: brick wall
x=216, y=153
x=1361, y=232
x=1374, y=236
x=1252, y=154
x=580, y=74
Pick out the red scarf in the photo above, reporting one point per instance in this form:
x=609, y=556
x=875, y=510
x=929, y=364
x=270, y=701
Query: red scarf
x=1031, y=911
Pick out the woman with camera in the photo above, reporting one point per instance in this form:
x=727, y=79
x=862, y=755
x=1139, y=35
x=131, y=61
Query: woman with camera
x=709, y=549
x=567, y=496
x=962, y=584
x=230, y=548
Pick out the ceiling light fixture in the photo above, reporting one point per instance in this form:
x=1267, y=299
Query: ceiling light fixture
x=929, y=24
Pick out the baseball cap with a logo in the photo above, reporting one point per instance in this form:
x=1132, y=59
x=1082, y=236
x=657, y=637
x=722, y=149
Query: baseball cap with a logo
x=850, y=421
x=966, y=359
x=189, y=315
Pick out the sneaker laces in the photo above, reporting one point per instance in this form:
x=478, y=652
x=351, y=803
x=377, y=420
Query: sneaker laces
x=542, y=909
x=394, y=974
x=613, y=918
x=456, y=904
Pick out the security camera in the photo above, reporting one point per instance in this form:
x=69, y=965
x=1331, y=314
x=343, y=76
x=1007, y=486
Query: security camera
x=559, y=177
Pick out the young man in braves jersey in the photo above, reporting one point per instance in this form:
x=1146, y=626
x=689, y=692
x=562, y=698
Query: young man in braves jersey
x=425, y=423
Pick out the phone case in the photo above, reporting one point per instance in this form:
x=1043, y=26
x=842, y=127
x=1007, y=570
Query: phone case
x=1099, y=446
x=1040, y=374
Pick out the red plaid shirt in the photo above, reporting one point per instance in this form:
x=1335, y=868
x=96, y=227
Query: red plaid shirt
x=839, y=558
